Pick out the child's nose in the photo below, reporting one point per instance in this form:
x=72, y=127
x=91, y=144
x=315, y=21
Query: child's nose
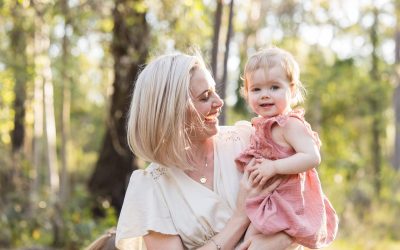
x=264, y=94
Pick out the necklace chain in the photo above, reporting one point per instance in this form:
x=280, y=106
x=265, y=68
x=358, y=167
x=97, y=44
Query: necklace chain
x=203, y=178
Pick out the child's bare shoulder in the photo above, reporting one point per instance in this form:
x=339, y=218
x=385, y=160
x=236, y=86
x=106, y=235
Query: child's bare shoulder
x=293, y=123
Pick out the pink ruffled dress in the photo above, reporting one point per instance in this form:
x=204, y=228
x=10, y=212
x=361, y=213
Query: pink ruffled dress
x=298, y=205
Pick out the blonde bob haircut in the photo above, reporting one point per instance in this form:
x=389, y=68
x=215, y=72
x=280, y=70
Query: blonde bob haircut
x=272, y=57
x=161, y=103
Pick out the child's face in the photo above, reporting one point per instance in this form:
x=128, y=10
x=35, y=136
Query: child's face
x=269, y=92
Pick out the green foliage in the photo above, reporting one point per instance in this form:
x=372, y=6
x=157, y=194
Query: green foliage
x=189, y=20
x=23, y=223
x=342, y=103
x=6, y=110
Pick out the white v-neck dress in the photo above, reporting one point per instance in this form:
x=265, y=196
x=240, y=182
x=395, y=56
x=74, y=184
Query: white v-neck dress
x=166, y=200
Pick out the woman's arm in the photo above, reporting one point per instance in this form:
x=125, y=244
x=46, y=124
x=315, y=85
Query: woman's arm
x=237, y=224
x=279, y=241
x=226, y=239
x=155, y=241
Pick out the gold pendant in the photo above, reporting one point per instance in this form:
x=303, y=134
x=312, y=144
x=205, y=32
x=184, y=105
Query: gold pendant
x=203, y=180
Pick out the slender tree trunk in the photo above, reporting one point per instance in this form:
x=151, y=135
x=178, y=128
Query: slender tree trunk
x=38, y=126
x=396, y=97
x=65, y=106
x=129, y=48
x=44, y=80
x=18, y=47
x=48, y=97
x=217, y=28
x=376, y=147
x=222, y=87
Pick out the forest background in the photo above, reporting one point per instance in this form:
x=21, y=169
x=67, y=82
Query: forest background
x=67, y=69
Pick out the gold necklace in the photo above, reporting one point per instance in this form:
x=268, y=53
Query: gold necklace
x=203, y=178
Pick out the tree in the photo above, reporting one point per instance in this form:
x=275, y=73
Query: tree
x=222, y=84
x=215, y=41
x=221, y=80
x=18, y=46
x=374, y=101
x=65, y=104
x=20, y=70
x=129, y=49
x=44, y=102
x=396, y=96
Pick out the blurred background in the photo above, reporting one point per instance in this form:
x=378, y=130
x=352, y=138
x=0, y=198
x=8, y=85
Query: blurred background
x=67, y=68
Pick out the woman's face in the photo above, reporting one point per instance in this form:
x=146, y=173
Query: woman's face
x=207, y=103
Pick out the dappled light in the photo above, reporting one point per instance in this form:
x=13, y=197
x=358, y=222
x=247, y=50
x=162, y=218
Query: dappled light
x=68, y=69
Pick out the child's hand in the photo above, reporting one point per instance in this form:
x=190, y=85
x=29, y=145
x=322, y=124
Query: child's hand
x=261, y=187
x=262, y=171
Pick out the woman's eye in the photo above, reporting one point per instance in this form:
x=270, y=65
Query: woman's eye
x=205, y=97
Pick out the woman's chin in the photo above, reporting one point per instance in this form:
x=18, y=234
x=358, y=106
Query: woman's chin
x=212, y=128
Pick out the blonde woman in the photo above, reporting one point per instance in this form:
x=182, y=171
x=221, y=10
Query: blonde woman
x=191, y=196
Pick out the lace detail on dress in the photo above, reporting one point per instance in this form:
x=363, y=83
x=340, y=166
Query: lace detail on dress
x=158, y=172
x=230, y=135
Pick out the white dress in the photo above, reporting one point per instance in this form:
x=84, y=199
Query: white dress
x=167, y=201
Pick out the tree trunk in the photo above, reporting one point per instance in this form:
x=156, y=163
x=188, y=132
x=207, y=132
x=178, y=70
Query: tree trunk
x=65, y=106
x=38, y=109
x=45, y=110
x=376, y=116
x=396, y=97
x=48, y=94
x=217, y=28
x=129, y=48
x=223, y=83
x=19, y=66
x=18, y=46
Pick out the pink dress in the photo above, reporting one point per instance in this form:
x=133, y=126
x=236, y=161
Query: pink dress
x=298, y=205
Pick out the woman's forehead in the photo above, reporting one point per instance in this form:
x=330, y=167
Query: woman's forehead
x=201, y=80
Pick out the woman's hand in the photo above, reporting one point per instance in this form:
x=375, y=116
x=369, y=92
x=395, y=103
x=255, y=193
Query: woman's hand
x=244, y=189
x=279, y=241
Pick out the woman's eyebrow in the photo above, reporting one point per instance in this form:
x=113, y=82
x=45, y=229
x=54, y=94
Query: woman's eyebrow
x=202, y=93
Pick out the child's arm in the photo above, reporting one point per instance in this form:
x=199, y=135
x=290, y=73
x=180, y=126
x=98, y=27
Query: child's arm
x=307, y=155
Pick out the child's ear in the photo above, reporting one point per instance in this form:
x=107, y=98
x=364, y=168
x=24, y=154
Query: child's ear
x=293, y=89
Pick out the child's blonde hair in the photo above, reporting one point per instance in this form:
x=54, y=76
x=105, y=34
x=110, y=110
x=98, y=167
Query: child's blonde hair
x=271, y=57
x=157, y=128
x=104, y=242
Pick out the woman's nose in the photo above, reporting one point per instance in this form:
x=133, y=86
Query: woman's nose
x=218, y=102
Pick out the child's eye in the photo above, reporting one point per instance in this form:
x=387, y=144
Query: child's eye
x=255, y=89
x=274, y=87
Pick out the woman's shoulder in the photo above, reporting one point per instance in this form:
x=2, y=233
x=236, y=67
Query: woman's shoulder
x=148, y=175
x=240, y=130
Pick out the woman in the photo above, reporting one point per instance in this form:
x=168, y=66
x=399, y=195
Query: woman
x=191, y=196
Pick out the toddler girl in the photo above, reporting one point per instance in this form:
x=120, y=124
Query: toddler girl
x=284, y=144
